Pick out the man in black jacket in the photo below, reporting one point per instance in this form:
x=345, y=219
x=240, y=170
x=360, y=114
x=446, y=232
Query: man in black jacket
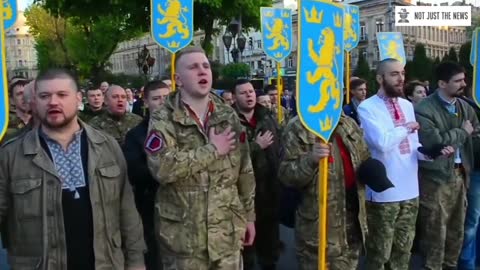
x=144, y=186
x=262, y=133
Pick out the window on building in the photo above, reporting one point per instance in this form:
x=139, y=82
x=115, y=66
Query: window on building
x=290, y=62
x=259, y=44
x=363, y=31
x=259, y=65
x=20, y=63
x=379, y=25
x=19, y=52
x=19, y=42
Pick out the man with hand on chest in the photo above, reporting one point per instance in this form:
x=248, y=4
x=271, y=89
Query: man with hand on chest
x=204, y=208
x=263, y=137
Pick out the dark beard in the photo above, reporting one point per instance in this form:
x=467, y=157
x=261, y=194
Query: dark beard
x=390, y=90
x=460, y=92
x=67, y=121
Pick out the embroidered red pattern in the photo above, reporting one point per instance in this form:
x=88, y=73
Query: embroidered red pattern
x=399, y=119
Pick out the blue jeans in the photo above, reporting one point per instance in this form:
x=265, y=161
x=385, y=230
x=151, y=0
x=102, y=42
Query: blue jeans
x=469, y=252
x=3, y=257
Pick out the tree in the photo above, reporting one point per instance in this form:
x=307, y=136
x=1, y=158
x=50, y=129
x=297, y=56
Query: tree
x=84, y=44
x=137, y=13
x=475, y=23
x=452, y=55
x=236, y=70
x=421, y=68
x=445, y=58
x=364, y=72
x=464, y=60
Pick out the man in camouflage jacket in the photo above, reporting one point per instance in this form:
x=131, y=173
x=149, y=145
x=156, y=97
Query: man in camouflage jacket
x=205, y=202
x=346, y=205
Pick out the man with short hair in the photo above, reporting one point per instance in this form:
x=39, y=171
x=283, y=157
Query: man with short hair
x=262, y=134
x=94, y=106
x=197, y=152
x=116, y=121
x=144, y=185
x=390, y=130
x=445, y=119
x=358, y=89
x=104, y=87
x=64, y=193
x=272, y=91
x=130, y=99
x=20, y=115
x=264, y=100
x=228, y=97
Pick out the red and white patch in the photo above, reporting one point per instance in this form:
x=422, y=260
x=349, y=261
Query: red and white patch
x=154, y=142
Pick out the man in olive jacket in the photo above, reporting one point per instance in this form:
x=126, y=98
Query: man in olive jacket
x=64, y=192
x=445, y=119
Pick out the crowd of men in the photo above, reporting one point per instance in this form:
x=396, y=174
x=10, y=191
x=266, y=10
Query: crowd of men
x=189, y=179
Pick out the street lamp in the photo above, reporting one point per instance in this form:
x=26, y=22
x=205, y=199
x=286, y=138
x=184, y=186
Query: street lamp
x=233, y=30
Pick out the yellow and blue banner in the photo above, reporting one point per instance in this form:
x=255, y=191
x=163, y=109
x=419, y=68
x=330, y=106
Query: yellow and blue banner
x=9, y=10
x=476, y=73
x=473, y=47
x=3, y=84
x=351, y=27
x=390, y=45
x=277, y=32
x=172, y=23
x=320, y=66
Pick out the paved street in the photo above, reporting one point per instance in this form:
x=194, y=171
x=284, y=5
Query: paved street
x=288, y=261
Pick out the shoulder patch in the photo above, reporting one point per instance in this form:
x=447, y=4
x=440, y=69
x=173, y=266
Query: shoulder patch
x=154, y=142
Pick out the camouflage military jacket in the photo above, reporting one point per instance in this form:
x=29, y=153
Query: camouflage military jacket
x=88, y=114
x=31, y=205
x=285, y=115
x=204, y=201
x=297, y=170
x=15, y=126
x=117, y=127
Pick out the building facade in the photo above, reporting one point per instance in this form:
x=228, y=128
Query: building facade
x=375, y=17
x=21, y=55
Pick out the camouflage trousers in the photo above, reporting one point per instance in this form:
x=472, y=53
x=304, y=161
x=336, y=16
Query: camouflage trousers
x=391, y=230
x=173, y=262
x=441, y=219
x=307, y=257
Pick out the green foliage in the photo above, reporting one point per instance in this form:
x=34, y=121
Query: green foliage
x=80, y=42
x=464, y=60
x=421, y=67
x=364, y=72
x=452, y=55
x=136, y=14
x=236, y=70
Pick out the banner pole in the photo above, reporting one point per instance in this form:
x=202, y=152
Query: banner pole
x=322, y=207
x=279, y=94
x=173, y=72
x=347, y=79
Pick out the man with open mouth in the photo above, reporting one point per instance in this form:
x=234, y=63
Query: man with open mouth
x=116, y=121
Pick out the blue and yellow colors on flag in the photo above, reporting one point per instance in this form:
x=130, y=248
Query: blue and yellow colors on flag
x=172, y=23
x=351, y=24
x=320, y=66
x=277, y=32
x=3, y=84
x=9, y=10
x=476, y=71
x=390, y=45
x=473, y=52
